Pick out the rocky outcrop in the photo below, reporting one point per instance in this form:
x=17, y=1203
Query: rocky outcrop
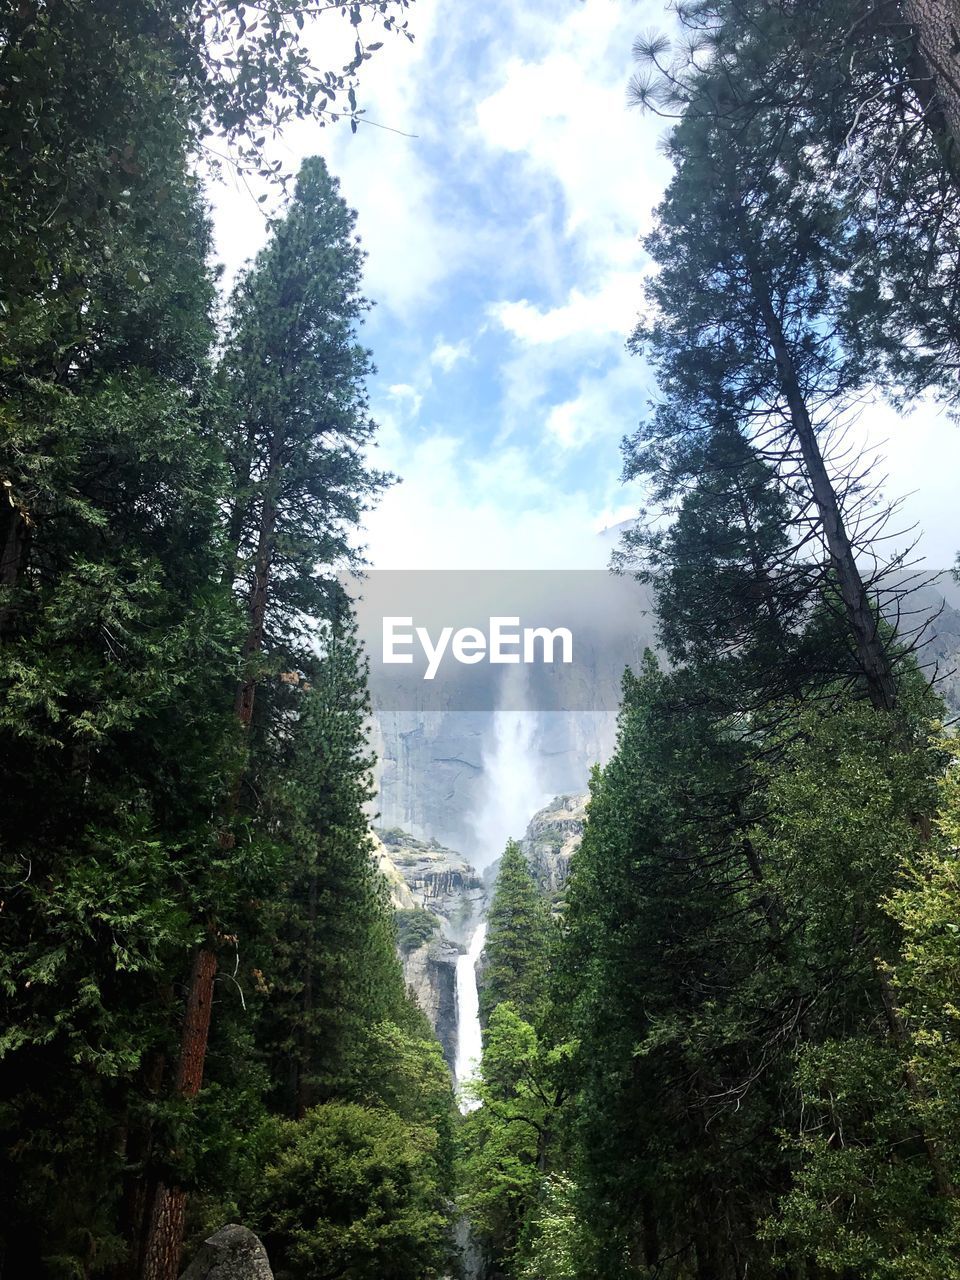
x=431, y=973
x=400, y=896
x=552, y=838
x=435, y=750
x=232, y=1253
x=438, y=879
x=424, y=875
x=434, y=773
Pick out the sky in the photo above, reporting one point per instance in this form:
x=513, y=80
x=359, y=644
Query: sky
x=504, y=257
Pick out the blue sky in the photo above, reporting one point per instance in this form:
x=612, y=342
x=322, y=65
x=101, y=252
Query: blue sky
x=504, y=257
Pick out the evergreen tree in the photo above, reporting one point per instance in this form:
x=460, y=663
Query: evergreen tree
x=506, y=1143
x=518, y=941
x=295, y=422
x=332, y=967
x=674, y=983
x=116, y=637
x=746, y=333
x=735, y=591
x=877, y=1146
x=860, y=82
x=347, y=1193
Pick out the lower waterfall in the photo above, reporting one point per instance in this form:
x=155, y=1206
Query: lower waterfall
x=469, y=1039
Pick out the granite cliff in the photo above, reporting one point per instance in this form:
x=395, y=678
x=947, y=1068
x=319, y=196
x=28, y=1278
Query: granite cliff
x=439, y=899
x=552, y=838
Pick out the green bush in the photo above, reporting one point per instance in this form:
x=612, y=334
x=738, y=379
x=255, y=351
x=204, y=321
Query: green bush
x=350, y=1193
x=415, y=926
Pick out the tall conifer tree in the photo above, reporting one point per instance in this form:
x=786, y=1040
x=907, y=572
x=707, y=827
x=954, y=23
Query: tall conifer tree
x=517, y=949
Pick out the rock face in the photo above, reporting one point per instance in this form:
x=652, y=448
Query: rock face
x=431, y=973
x=233, y=1253
x=551, y=840
x=434, y=770
x=552, y=837
x=438, y=879
x=434, y=773
x=423, y=874
x=400, y=896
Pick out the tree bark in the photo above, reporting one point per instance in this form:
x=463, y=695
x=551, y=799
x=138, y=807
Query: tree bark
x=168, y=1212
x=936, y=72
x=164, y=1242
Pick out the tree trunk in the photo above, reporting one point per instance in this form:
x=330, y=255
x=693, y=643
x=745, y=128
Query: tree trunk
x=164, y=1241
x=168, y=1212
x=861, y=617
x=936, y=70
x=138, y=1186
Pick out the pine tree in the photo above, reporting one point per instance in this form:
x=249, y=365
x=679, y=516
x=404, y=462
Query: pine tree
x=745, y=333
x=116, y=635
x=296, y=421
x=736, y=594
x=518, y=941
x=332, y=966
x=144, y=819
x=854, y=79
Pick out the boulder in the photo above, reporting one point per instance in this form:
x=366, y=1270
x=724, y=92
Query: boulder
x=232, y=1253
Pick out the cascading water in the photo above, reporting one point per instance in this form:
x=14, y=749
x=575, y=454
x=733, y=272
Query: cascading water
x=510, y=793
x=469, y=1040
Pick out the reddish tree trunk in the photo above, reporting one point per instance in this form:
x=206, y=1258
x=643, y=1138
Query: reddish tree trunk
x=164, y=1242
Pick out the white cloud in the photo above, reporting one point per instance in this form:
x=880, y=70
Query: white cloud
x=562, y=110
x=402, y=391
x=446, y=354
x=920, y=454
x=455, y=510
x=611, y=309
x=605, y=407
x=565, y=113
x=411, y=246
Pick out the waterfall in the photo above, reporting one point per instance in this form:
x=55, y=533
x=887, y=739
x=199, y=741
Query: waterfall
x=512, y=787
x=469, y=1040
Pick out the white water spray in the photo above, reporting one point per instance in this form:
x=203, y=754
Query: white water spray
x=512, y=792
x=469, y=1039
x=512, y=788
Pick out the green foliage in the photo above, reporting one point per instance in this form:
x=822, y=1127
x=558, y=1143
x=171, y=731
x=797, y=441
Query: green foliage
x=347, y=1193
x=518, y=941
x=557, y=1242
x=295, y=415
x=504, y=1142
x=879, y=1147
x=414, y=926
x=124, y=525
